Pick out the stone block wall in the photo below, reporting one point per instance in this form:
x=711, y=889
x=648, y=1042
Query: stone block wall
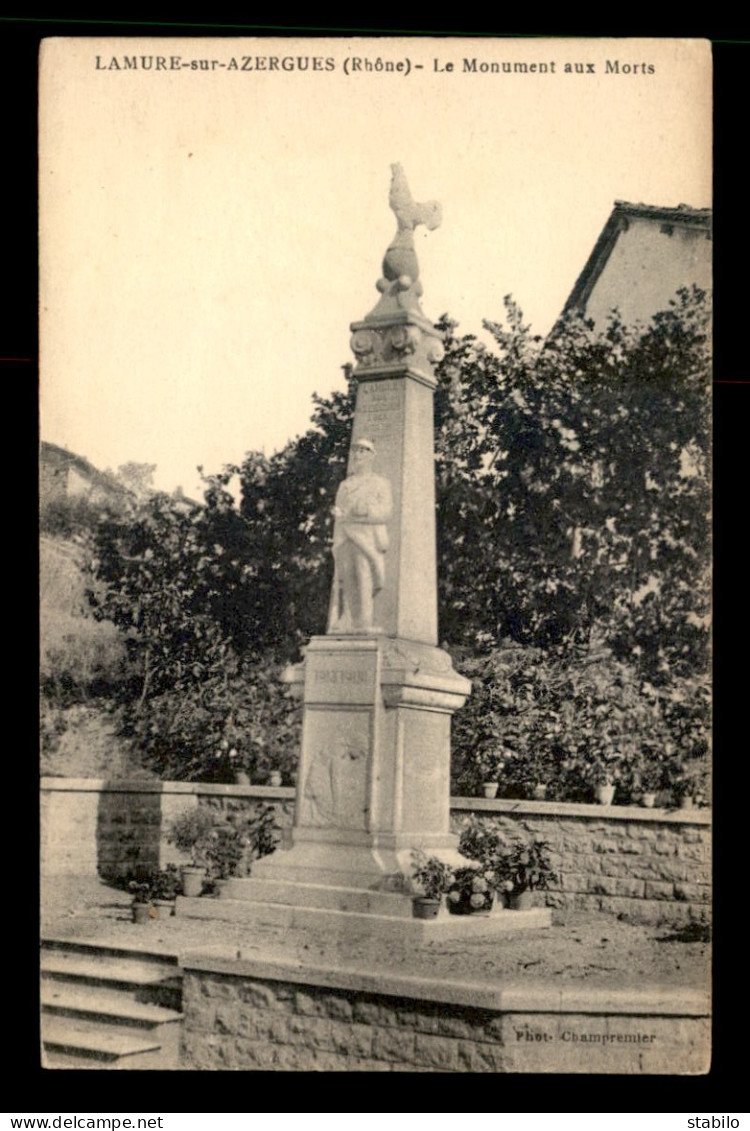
x=95, y=827
x=238, y=1016
x=651, y=866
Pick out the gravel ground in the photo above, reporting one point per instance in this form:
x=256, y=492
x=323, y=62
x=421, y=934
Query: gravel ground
x=594, y=949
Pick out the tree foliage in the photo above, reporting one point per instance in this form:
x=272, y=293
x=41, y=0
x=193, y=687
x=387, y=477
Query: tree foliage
x=573, y=488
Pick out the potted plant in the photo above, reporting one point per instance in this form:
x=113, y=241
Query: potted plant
x=189, y=833
x=529, y=869
x=431, y=879
x=262, y=833
x=241, y=774
x=689, y=781
x=141, y=906
x=604, y=768
x=485, y=846
x=650, y=779
x=530, y=772
x=489, y=764
x=166, y=886
x=472, y=891
x=224, y=852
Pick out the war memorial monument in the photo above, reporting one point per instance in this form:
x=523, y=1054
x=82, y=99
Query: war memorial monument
x=378, y=693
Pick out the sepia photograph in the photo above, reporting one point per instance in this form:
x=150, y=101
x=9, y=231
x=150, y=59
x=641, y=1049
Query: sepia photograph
x=375, y=554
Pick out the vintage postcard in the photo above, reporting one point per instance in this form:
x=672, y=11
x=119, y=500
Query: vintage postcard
x=374, y=485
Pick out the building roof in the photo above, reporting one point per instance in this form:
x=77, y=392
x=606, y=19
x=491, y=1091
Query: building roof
x=60, y=458
x=619, y=221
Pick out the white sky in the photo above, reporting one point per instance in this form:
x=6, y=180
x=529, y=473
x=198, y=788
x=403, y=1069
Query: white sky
x=207, y=238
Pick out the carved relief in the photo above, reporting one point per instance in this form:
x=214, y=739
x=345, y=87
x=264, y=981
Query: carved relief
x=395, y=345
x=334, y=791
x=397, y=654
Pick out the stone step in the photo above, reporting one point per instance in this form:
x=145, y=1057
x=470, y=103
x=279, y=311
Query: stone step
x=320, y=895
x=63, y=999
x=102, y=952
x=67, y=1044
x=113, y=1013
x=104, y=970
x=366, y=926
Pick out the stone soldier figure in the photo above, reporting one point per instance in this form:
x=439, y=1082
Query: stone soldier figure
x=360, y=539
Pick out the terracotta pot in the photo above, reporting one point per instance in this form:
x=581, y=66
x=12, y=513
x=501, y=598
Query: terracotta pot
x=274, y=778
x=192, y=881
x=540, y=791
x=425, y=908
x=490, y=788
x=521, y=900
x=648, y=800
x=241, y=777
x=604, y=794
x=686, y=802
x=141, y=912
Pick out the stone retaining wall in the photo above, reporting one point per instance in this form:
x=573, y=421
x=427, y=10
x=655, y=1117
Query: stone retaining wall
x=650, y=865
x=250, y=1014
x=95, y=827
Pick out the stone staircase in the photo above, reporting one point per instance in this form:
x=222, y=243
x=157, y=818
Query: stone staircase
x=109, y=1006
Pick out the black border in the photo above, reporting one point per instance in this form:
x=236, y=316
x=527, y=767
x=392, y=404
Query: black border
x=155, y=1091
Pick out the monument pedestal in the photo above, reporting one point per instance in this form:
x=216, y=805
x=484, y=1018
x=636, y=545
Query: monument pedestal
x=373, y=786
x=374, y=774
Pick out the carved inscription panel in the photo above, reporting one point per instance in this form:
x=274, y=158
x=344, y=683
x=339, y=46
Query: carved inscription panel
x=379, y=413
x=335, y=778
x=341, y=677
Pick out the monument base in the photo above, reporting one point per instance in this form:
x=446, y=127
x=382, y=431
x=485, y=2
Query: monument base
x=351, y=913
x=374, y=773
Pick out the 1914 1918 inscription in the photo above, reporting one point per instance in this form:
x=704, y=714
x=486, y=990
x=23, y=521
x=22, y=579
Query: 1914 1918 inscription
x=379, y=406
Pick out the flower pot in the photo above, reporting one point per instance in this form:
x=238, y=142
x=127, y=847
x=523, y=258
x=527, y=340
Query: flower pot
x=274, y=778
x=490, y=788
x=648, y=800
x=192, y=881
x=141, y=912
x=604, y=794
x=686, y=802
x=241, y=777
x=164, y=908
x=540, y=791
x=220, y=888
x=425, y=908
x=521, y=900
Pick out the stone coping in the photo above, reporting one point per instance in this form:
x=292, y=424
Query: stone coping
x=132, y=785
x=512, y=997
x=582, y=809
x=457, y=804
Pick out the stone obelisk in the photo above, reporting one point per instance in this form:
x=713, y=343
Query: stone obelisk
x=378, y=693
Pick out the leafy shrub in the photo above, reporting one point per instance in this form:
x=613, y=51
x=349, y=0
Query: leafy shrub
x=431, y=877
x=189, y=833
x=512, y=863
x=188, y=731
